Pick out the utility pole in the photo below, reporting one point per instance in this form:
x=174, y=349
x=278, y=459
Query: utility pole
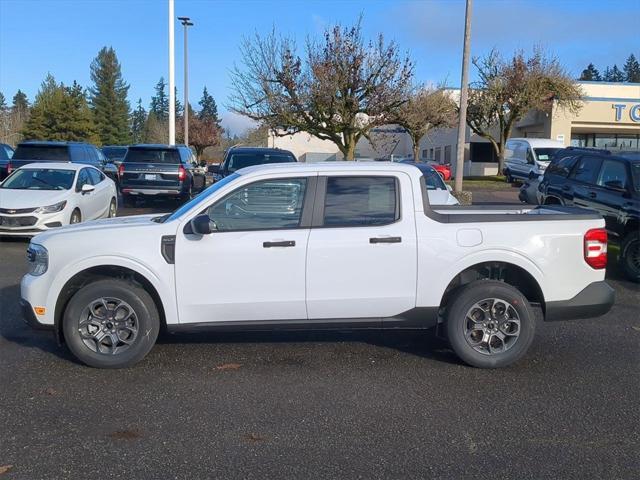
x=172, y=79
x=464, y=95
x=186, y=23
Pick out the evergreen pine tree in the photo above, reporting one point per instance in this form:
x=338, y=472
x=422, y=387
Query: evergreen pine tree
x=178, y=105
x=20, y=102
x=616, y=74
x=138, y=121
x=606, y=76
x=632, y=69
x=591, y=73
x=108, y=98
x=160, y=102
x=208, y=108
x=3, y=104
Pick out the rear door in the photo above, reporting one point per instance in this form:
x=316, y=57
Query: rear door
x=102, y=192
x=88, y=201
x=361, y=259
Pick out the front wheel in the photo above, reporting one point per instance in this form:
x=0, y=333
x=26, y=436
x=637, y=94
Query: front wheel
x=110, y=324
x=490, y=324
x=113, y=208
x=630, y=256
x=76, y=217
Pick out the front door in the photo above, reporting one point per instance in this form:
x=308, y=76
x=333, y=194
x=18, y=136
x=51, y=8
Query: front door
x=253, y=266
x=361, y=260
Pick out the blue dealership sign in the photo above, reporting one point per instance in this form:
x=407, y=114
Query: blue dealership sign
x=634, y=111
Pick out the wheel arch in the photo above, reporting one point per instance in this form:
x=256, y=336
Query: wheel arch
x=504, y=271
x=90, y=274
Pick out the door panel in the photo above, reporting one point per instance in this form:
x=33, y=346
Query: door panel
x=253, y=267
x=367, y=267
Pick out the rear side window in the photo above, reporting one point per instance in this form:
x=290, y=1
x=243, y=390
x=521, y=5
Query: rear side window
x=360, y=201
x=152, y=155
x=58, y=153
x=586, y=169
x=562, y=167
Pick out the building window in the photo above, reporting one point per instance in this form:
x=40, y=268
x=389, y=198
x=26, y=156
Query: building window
x=425, y=153
x=447, y=154
x=436, y=155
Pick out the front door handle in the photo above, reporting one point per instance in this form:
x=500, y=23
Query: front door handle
x=385, y=240
x=283, y=243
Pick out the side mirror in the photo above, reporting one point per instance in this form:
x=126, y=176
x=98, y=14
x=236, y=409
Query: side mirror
x=213, y=169
x=202, y=225
x=86, y=188
x=615, y=185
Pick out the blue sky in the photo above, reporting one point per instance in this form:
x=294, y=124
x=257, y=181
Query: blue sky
x=63, y=36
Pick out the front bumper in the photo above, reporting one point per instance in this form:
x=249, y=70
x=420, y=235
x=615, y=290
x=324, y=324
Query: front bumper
x=30, y=318
x=30, y=224
x=594, y=300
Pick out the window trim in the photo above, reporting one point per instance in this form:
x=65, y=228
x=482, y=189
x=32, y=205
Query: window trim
x=321, y=193
x=305, y=215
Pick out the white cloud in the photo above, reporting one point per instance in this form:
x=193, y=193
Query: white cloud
x=237, y=124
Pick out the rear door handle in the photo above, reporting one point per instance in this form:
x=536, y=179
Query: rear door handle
x=385, y=240
x=283, y=243
x=593, y=194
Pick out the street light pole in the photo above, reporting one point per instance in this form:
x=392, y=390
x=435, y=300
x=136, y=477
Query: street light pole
x=464, y=95
x=172, y=80
x=186, y=23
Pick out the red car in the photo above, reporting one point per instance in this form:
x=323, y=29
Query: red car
x=443, y=170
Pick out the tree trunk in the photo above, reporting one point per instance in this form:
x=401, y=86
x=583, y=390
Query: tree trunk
x=416, y=150
x=500, y=152
x=349, y=146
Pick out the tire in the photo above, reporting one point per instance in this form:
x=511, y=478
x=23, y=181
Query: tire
x=76, y=217
x=113, y=208
x=507, y=176
x=188, y=195
x=113, y=349
x=630, y=256
x=478, y=298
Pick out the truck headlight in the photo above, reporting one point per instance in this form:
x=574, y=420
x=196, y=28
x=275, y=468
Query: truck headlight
x=57, y=207
x=38, y=258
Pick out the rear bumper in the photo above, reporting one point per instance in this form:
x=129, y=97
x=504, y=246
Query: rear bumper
x=596, y=299
x=150, y=191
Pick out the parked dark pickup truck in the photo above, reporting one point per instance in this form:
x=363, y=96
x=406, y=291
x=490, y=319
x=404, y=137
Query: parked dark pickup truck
x=159, y=171
x=607, y=182
x=241, y=157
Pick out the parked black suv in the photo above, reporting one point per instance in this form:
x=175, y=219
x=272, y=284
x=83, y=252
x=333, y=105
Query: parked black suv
x=607, y=182
x=159, y=170
x=47, y=151
x=6, y=152
x=240, y=157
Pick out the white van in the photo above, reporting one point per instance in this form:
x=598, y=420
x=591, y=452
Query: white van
x=526, y=158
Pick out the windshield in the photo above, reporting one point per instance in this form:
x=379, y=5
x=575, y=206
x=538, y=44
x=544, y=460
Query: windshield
x=152, y=155
x=39, y=179
x=201, y=196
x=242, y=160
x=545, y=154
x=42, y=152
x=114, y=152
x=635, y=174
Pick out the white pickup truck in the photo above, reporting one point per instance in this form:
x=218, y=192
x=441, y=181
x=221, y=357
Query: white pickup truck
x=306, y=246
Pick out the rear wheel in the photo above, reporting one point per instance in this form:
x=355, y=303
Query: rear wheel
x=76, y=217
x=630, y=256
x=110, y=324
x=507, y=176
x=490, y=324
x=186, y=196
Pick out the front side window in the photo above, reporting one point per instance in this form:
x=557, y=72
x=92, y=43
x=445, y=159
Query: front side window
x=612, y=172
x=360, y=201
x=586, y=169
x=635, y=174
x=83, y=179
x=95, y=176
x=269, y=204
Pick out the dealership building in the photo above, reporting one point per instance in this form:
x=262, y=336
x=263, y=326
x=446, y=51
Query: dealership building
x=609, y=118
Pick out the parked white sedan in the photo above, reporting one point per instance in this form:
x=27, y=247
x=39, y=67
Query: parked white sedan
x=41, y=196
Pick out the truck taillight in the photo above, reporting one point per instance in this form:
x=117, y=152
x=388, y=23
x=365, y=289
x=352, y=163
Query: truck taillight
x=182, y=173
x=121, y=170
x=9, y=168
x=595, y=248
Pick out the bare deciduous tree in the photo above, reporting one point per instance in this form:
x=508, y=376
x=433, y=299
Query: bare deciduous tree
x=508, y=89
x=341, y=89
x=426, y=109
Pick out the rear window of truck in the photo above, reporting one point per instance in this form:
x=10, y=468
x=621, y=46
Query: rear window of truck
x=152, y=155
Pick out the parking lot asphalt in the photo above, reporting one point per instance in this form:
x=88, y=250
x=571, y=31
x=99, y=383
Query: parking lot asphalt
x=322, y=405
